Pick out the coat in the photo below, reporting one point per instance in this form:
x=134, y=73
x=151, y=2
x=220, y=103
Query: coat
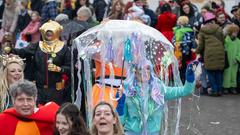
x=233, y=52
x=43, y=77
x=39, y=123
x=211, y=44
x=9, y=19
x=165, y=24
x=132, y=119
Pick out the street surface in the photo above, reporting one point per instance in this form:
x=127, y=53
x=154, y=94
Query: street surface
x=215, y=116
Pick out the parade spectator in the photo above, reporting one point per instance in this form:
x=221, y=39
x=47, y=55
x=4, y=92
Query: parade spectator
x=81, y=3
x=10, y=17
x=187, y=9
x=25, y=118
x=11, y=72
x=2, y=4
x=69, y=121
x=237, y=20
x=134, y=11
x=105, y=120
x=166, y=21
x=222, y=19
x=84, y=14
x=234, y=13
x=63, y=20
x=233, y=55
x=32, y=29
x=101, y=7
x=49, y=11
x=23, y=17
x=51, y=58
x=211, y=45
x=36, y=5
x=117, y=11
x=145, y=98
x=66, y=8
x=150, y=13
x=184, y=42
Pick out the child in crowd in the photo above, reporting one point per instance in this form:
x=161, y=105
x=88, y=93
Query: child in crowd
x=69, y=121
x=184, y=41
x=232, y=46
x=32, y=30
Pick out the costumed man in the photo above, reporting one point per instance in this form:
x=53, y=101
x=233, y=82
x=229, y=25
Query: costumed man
x=24, y=118
x=52, y=60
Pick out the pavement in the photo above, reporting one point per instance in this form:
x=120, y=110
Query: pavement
x=207, y=115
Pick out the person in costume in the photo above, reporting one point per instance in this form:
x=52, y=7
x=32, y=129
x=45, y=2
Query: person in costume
x=10, y=72
x=69, y=121
x=24, y=118
x=145, y=97
x=232, y=47
x=52, y=60
x=106, y=120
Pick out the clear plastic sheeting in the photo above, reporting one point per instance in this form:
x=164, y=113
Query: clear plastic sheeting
x=122, y=44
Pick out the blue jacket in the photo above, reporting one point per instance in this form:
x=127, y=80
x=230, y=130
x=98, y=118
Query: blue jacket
x=132, y=119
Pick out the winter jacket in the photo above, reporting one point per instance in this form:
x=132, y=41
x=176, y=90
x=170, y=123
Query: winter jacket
x=211, y=43
x=165, y=24
x=23, y=20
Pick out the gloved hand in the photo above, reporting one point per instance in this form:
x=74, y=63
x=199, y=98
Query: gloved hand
x=190, y=77
x=121, y=102
x=53, y=68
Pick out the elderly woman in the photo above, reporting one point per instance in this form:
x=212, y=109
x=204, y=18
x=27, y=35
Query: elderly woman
x=11, y=72
x=105, y=120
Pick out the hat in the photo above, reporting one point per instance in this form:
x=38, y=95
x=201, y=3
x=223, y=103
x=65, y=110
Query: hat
x=84, y=11
x=61, y=17
x=208, y=17
x=234, y=8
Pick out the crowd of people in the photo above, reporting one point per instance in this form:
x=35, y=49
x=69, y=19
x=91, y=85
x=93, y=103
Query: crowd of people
x=36, y=40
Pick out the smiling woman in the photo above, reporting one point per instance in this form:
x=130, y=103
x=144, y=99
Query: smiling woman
x=11, y=72
x=69, y=121
x=105, y=120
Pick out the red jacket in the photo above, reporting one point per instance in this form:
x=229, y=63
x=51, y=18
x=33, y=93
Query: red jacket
x=41, y=122
x=165, y=23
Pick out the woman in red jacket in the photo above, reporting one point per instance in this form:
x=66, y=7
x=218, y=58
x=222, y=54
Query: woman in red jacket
x=166, y=21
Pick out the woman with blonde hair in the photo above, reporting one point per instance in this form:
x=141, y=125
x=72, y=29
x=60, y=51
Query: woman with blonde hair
x=105, y=120
x=10, y=72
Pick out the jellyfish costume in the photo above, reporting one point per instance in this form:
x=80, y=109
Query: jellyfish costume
x=123, y=47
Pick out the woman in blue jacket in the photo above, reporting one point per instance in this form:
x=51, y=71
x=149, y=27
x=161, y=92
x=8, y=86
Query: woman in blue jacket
x=145, y=98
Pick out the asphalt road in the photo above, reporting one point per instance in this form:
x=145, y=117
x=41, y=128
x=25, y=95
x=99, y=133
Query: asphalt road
x=215, y=116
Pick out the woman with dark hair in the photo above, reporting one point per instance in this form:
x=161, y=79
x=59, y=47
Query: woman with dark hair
x=106, y=120
x=187, y=9
x=69, y=121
